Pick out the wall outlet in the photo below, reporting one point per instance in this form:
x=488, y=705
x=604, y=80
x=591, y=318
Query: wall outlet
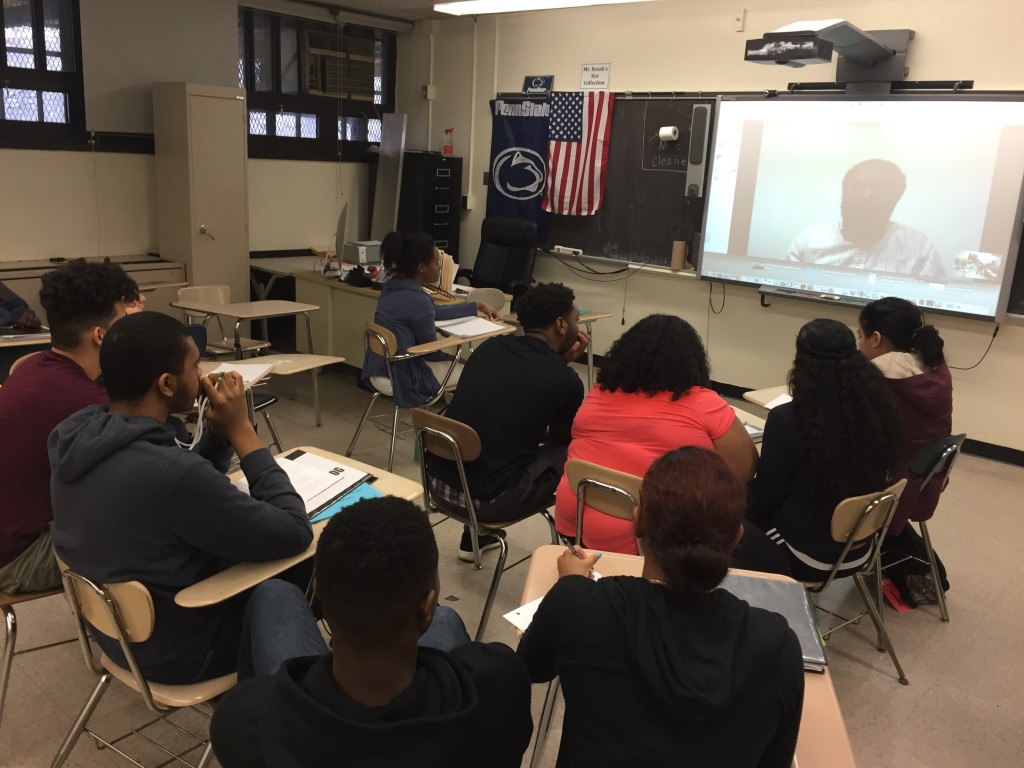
x=740, y=19
x=429, y=92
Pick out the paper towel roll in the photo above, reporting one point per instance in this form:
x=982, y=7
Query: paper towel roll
x=679, y=249
x=668, y=133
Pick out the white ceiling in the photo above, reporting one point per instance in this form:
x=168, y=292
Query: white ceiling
x=401, y=9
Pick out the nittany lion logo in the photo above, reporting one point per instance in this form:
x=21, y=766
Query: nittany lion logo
x=518, y=173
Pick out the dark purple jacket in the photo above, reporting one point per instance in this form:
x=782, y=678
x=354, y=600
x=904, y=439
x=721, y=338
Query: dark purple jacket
x=925, y=406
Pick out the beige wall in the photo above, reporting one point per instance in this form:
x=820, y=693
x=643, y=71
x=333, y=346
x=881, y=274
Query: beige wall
x=691, y=45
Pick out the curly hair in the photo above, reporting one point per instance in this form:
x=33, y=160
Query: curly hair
x=661, y=353
x=374, y=563
x=82, y=295
x=848, y=424
x=544, y=303
x=691, y=507
x=902, y=324
x=402, y=253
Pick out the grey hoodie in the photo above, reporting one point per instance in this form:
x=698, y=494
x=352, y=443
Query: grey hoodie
x=655, y=678
x=129, y=504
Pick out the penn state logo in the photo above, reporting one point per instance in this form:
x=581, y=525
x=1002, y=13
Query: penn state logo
x=518, y=173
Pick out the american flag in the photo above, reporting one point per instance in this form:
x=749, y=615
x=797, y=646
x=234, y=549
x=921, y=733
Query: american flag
x=579, y=132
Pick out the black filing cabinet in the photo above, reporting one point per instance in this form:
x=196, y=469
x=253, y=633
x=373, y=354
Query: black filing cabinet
x=430, y=198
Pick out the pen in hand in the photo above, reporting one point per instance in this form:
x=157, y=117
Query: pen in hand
x=572, y=548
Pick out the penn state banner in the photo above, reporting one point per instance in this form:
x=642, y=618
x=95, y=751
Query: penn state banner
x=519, y=155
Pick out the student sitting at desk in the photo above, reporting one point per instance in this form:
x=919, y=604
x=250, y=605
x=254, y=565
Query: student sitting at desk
x=395, y=688
x=129, y=504
x=15, y=312
x=652, y=396
x=664, y=669
x=81, y=301
x=836, y=439
x=894, y=336
x=407, y=311
x=520, y=396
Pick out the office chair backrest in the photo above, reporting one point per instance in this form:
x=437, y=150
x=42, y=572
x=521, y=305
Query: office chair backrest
x=508, y=251
x=380, y=340
x=463, y=435
x=199, y=336
x=860, y=517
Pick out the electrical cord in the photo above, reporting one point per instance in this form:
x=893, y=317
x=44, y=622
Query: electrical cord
x=198, y=434
x=995, y=333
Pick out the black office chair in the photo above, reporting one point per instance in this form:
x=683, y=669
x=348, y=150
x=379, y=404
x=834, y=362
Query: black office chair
x=508, y=251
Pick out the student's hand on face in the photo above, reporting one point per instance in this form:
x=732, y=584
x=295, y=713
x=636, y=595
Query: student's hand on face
x=487, y=311
x=571, y=565
x=139, y=305
x=227, y=413
x=578, y=347
x=28, y=320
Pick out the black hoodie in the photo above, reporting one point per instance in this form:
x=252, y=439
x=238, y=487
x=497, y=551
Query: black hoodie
x=466, y=708
x=129, y=504
x=653, y=678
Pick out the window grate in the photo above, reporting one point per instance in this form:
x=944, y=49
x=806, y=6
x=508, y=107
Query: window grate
x=21, y=104
x=55, y=107
x=257, y=123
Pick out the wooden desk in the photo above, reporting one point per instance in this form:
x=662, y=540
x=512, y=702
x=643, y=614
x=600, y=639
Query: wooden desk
x=764, y=396
x=251, y=310
x=18, y=340
x=283, y=266
x=823, y=740
x=238, y=578
x=586, y=321
x=287, y=365
x=449, y=342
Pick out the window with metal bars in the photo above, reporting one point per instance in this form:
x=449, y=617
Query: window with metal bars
x=315, y=91
x=41, y=74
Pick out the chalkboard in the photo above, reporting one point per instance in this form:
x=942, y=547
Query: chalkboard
x=645, y=206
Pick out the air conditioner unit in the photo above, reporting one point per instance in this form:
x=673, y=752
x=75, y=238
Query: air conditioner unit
x=339, y=65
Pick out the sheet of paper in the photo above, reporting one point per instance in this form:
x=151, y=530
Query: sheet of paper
x=468, y=326
x=780, y=400
x=360, y=492
x=250, y=372
x=522, y=617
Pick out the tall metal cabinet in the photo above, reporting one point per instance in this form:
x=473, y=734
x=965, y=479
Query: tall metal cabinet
x=202, y=207
x=430, y=199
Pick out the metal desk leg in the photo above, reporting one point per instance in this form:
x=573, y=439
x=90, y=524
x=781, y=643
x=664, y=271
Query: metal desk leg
x=238, y=340
x=544, y=722
x=590, y=354
x=315, y=372
x=262, y=290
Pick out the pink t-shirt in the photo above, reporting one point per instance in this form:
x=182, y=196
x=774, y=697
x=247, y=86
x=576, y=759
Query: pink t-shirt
x=627, y=432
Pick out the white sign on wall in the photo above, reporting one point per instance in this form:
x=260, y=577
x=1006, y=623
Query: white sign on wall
x=595, y=77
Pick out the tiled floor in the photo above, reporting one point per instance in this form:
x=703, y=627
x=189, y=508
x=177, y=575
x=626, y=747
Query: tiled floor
x=963, y=706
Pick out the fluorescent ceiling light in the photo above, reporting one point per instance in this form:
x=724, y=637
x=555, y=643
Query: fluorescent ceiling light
x=481, y=7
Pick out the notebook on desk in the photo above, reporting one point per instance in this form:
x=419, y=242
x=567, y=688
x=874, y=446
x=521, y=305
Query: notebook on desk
x=319, y=481
x=789, y=600
x=467, y=326
x=14, y=332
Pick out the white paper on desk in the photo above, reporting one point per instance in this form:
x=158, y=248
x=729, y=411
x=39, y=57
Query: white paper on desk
x=250, y=372
x=316, y=479
x=522, y=617
x=468, y=326
x=780, y=400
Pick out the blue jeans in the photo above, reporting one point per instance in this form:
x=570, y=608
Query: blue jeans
x=278, y=625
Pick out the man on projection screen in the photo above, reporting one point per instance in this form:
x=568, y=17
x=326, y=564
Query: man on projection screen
x=866, y=237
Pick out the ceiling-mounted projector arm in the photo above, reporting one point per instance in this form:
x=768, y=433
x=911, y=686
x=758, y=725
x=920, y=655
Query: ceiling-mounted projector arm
x=855, y=44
